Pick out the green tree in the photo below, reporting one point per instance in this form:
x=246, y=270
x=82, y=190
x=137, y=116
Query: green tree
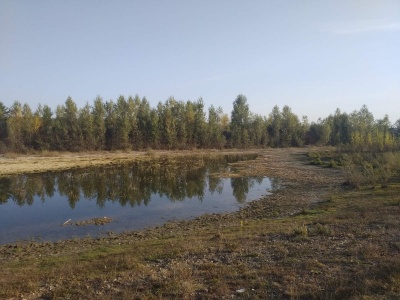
x=168, y=123
x=215, y=137
x=275, y=127
x=362, y=123
x=110, y=121
x=155, y=129
x=86, y=125
x=178, y=110
x=383, y=136
x=30, y=127
x=144, y=123
x=319, y=133
x=341, y=131
x=59, y=130
x=396, y=128
x=3, y=126
x=240, y=122
x=258, y=132
x=99, y=126
x=199, y=132
x=45, y=130
x=15, y=128
x=123, y=126
x=135, y=135
x=69, y=120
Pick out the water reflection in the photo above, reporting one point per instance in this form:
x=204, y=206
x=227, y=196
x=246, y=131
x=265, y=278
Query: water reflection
x=135, y=196
x=131, y=184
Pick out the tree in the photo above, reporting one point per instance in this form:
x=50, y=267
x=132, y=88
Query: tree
x=14, y=127
x=319, y=133
x=73, y=139
x=155, y=129
x=87, y=128
x=110, y=121
x=362, y=122
x=144, y=123
x=258, y=133
x=215, y=137
x=199, y=123
x=168, y=123
x=178, y=110
x=3, y=125
x=383, y=136
x=396, y=128
x=240, y=122
x=59, y=129
x=135, y=135
x=341, y=132
x=45, y=131
x=30, y=127
x=275, y=127
x=123, y=126
x=99, y=126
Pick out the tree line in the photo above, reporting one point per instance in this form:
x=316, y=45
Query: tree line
x=131, y=123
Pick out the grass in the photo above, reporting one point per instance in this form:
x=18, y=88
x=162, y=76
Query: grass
x=345, y=247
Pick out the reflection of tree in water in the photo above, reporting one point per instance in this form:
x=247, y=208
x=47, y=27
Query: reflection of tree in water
x=5, y=183
x=215, y=184
x=276, y=183
x=131, y=184
x=69, y=185
x=240, y=187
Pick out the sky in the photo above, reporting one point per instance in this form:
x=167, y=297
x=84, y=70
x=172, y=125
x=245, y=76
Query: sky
x=314, y=56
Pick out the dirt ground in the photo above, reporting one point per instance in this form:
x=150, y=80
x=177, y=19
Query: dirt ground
x=309, y=239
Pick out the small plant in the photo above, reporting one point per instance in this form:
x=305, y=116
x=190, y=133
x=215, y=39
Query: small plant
x=315, y=158
x=301, y=231
x=332, y=164
x=322, y=229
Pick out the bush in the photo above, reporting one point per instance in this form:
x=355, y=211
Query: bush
x=371, y=168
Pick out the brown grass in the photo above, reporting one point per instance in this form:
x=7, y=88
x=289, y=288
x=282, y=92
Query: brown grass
x=311, y=240
x=12, y=163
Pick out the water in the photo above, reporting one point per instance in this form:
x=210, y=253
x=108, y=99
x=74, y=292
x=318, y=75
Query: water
x=135, y=196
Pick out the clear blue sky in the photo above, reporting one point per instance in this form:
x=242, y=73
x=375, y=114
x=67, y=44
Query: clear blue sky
x=314, y=56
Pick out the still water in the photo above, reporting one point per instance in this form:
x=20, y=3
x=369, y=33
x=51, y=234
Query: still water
x=134, y=196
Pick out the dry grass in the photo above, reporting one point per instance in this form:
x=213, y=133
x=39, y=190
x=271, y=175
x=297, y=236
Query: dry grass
x=311, y=240
x=12, y=163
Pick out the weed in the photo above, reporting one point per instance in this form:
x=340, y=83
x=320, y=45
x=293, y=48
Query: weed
x=301, y=231
x=320, y=229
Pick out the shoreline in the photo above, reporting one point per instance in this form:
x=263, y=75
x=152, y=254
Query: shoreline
x=20, y=164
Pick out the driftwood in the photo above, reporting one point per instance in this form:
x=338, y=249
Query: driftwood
x=66, y=222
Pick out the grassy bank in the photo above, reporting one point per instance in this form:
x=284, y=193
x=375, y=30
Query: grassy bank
x=312, y=239
x=12, y=163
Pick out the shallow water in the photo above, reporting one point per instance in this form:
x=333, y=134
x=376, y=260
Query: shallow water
x=135, y=196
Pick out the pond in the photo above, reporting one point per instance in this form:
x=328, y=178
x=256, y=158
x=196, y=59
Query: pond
x=61, y=205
